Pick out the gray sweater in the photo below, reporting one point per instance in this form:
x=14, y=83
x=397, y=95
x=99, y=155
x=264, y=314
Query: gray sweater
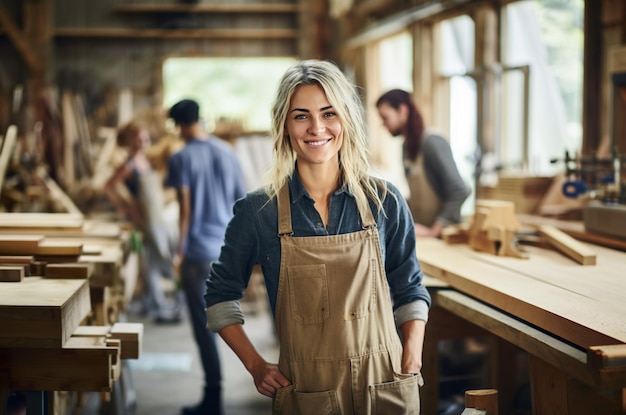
x=444, y=177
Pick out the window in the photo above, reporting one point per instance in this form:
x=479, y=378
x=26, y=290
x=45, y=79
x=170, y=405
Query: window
x=237, y=89
x=457, y=67
x=542, y=50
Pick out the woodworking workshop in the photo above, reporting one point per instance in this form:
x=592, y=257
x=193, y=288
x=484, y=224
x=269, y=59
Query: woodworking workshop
x=343, y=207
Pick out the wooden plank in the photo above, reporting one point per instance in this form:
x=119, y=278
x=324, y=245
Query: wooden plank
x=575, y=229
x=49, y=247
x=130, y=334
x=11, y=273
x=6, y=150
x=57, y=193
x=209, y=8
x=568, y=245
x=16, y=259
x=116, y=33
x=21, y=42
x=40, y=313
x=564, y=356
x=47, y=221
x=547, y=289
x=83, y=364
x=19, y=244
x=69, y=271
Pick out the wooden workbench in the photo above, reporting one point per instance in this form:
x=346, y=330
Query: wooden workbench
x=569, y=318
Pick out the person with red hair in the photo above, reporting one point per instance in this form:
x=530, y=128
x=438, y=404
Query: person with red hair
x=437, y=190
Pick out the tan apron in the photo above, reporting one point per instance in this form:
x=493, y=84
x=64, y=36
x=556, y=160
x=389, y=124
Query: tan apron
x=334, y=319
x=423, y=202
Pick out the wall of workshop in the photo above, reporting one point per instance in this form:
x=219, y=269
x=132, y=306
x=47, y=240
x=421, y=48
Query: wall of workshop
x=97, y=65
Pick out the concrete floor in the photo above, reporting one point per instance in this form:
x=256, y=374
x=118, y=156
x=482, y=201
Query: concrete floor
x=169, y=376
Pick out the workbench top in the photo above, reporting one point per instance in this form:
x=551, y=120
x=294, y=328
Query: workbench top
x=584, y=305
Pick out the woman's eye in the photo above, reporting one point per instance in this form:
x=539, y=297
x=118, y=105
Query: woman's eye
x=329, y=114
x=300, y=116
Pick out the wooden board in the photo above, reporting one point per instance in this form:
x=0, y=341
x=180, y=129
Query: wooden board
x=19, y=245
x=11, y=273
x=83, y=364
x=41, y=313
x=69, y=271
x=584, y=305
x=42, y=220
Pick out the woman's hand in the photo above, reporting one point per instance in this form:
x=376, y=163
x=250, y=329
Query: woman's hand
x=268, y=378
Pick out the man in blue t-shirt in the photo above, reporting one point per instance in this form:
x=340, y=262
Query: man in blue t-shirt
x=208, y=181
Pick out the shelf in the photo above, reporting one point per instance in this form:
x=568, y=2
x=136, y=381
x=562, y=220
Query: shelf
x=209, y=8
x=177, y=33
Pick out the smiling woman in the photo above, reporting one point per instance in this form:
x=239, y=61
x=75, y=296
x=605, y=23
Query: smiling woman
x=337, y=250
x=237, y=89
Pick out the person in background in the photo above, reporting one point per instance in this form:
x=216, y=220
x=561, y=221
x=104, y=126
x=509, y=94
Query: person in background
x=145, y=207
x=337, y=251
x=437, y=190
x=208, y=181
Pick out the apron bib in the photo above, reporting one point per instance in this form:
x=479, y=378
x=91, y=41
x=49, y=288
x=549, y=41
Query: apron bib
x=334, y=320
x=423, y=201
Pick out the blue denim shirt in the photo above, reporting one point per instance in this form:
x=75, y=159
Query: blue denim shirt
x=252, y=238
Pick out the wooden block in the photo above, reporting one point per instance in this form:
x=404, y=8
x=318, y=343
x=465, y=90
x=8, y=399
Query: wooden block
x=130, y=334
x=568, y=245
x=69, y=271
x=482, y=399
x=82, y=364
x=41, y=313
x=607, y=357
x=19, y=244
x=58, y=247
x=16, y=259
x=10, y=273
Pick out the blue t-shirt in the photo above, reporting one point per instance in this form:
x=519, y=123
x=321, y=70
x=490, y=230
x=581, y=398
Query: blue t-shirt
x=210, y=170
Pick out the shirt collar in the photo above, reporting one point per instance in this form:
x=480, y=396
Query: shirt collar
x=298, y=191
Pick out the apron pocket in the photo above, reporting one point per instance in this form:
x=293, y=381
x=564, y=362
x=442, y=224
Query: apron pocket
x=288, y=402
x=399, y=397
x=308, y=293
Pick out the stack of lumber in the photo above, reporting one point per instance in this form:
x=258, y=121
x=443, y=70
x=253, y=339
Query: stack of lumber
x=39, y=240
x=526, y=192
x=63, y=282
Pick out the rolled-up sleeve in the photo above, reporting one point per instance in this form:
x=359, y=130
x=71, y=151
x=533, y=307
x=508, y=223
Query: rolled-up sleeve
x=230, y=274
x=410, y=297
x=223, y=314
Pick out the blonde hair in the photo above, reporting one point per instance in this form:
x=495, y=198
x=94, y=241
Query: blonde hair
x=353, y=156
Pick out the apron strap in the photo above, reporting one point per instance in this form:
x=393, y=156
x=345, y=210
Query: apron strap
x=367, y=219
x=284, y=211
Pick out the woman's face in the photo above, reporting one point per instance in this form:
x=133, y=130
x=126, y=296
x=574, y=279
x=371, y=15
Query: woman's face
x=393, y=119
x=314, y=128
x=142, y=140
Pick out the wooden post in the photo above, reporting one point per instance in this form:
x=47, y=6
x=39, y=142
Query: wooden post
x=484, y=399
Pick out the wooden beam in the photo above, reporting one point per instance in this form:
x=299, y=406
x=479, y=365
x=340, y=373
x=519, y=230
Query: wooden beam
x=40, y=313
x=82, y=364
x=114, y=33
x=6, y=151
x=21, y=43
x=568, y=245
x=209, y=8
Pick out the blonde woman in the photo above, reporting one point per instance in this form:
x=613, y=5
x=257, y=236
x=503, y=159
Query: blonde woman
x=337, y=250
